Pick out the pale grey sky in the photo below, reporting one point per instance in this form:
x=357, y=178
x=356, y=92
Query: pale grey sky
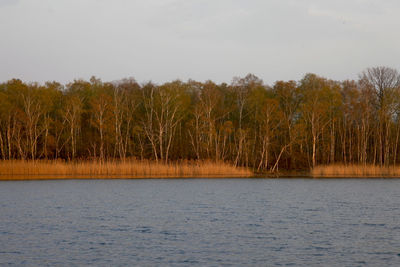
x=163, y=40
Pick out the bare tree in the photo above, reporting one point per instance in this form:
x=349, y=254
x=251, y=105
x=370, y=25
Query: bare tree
x=384, y=81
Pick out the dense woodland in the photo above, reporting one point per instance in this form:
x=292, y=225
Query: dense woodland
x=290, y=125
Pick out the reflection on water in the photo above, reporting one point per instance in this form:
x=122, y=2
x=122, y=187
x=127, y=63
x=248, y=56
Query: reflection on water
x=200, y=222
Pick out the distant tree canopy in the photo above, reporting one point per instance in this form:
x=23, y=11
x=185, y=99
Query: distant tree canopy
x=290, y=125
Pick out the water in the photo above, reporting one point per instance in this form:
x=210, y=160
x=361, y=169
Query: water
x=204, y=222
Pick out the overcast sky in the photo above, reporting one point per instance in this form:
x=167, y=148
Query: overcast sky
x=164, y=40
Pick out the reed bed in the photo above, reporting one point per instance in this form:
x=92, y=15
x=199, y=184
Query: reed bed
x=355, y=171
x=20, y=169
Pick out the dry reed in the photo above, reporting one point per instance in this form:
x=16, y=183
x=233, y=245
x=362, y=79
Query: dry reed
x=20, y=169
x=355, y=171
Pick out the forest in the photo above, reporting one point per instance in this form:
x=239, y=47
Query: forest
x=290, y=125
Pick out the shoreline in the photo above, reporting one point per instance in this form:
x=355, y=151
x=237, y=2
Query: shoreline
x=130, y=177
x=128, y=169
x=20, y=170
x=115, y=177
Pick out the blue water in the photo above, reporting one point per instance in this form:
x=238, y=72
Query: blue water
x=202, y=222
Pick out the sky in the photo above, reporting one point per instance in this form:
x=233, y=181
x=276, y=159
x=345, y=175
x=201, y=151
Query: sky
x=164, y=40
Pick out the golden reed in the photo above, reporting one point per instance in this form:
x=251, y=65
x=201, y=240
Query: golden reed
x=51, y=169
x=355, y=171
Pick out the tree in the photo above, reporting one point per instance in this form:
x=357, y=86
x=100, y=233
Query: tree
x=315, y=108
x=242, y=88
x=31, y=108
x=165, y=106
x=384, y=81
x=126, y=97
x=101, y=103
x=288, y=97
x=72, y=112
x=4, y=106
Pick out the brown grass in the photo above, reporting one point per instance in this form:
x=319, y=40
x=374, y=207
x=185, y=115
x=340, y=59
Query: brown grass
x=356, y=171
x=19, y=169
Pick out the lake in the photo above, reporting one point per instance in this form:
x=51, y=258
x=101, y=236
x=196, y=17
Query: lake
x=201, y=222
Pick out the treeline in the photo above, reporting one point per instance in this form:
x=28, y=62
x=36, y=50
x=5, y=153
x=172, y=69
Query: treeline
x=291, y=125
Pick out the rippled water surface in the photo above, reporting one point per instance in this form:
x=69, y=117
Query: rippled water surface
x=204, y=222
